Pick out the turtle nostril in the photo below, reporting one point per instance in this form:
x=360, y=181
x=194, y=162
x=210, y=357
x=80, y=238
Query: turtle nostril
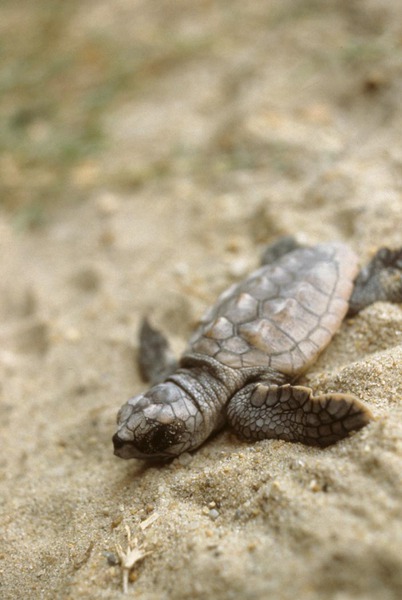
x=117, y=442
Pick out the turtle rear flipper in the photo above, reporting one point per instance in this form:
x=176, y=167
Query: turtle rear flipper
x=155, y=358
x=380, y=280
x=284, y=245
x=263, y=411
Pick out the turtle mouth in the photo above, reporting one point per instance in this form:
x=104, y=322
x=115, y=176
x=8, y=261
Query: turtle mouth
x=127, y=450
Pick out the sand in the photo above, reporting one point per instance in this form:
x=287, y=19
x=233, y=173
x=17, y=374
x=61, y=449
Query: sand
x=268, y=133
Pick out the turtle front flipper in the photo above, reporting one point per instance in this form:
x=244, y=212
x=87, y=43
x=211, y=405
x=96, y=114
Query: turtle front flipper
x=380, y=280
x=155, y=358
x=265, y=411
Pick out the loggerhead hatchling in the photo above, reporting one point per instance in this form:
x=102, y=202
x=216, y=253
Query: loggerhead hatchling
x=241, y=363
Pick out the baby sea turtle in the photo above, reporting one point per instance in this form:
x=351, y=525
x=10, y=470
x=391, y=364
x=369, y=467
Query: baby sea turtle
x=241, y=363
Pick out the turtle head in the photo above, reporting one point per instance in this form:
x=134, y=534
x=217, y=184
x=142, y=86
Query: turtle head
x=155, y=425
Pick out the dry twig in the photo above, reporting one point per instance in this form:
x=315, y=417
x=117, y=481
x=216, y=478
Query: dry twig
x=134, y=552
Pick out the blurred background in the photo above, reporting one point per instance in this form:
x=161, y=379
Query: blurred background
x=124, y=94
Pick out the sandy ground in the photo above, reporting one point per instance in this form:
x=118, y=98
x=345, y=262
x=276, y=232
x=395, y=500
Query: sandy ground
x=270, y=131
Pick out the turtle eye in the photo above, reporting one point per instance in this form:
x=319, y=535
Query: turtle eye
x=160, y=436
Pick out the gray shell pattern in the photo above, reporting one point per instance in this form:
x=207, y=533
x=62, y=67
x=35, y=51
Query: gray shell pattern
x=283, y=315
